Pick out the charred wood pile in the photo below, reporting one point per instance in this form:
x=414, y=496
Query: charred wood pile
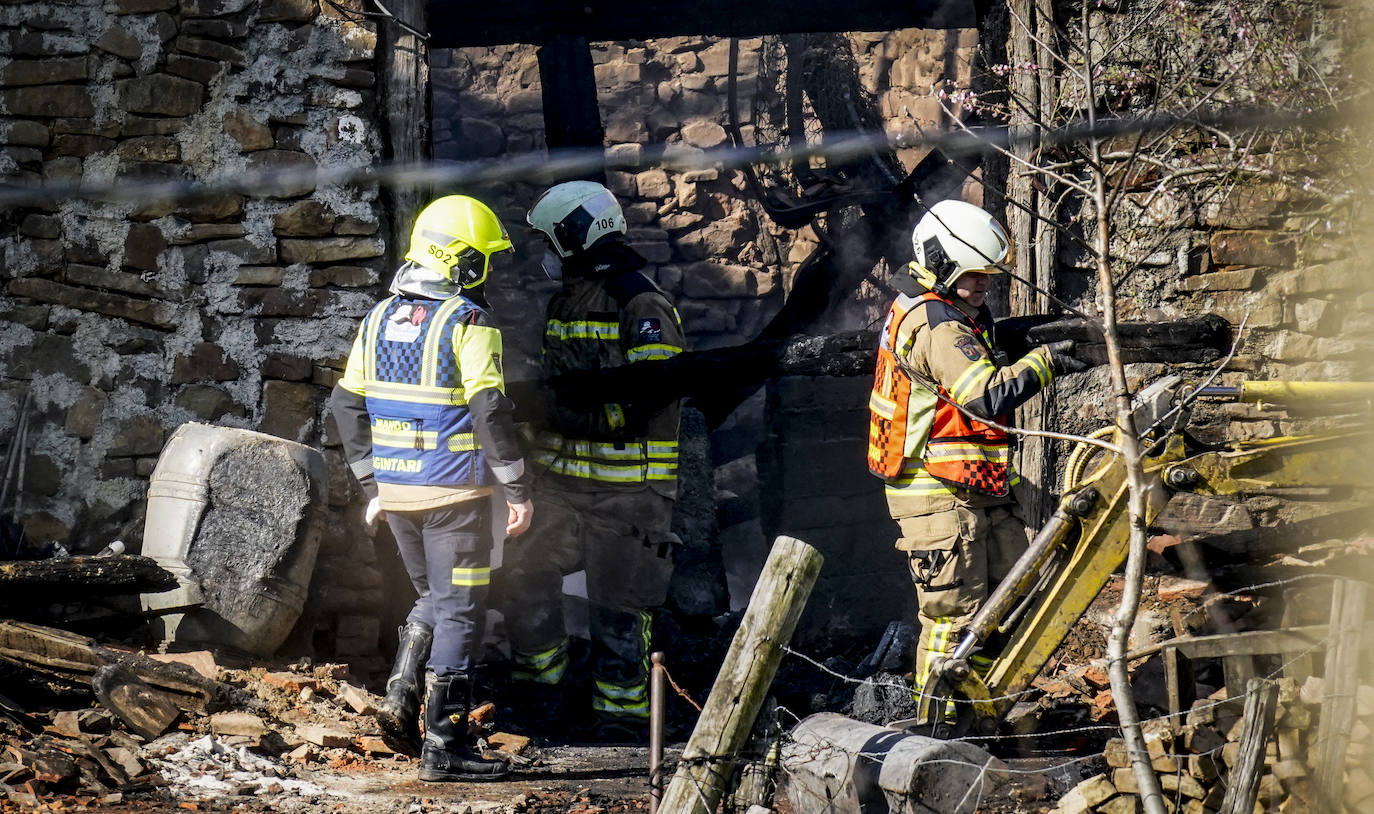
x=126, y=726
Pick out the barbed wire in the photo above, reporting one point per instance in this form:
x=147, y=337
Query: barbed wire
x=552, y=166
x=903, y=687
x=679, y=689
x=788, y=765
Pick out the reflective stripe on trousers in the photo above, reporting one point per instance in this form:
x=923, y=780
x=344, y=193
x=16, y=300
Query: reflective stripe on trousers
x=935, y=644
x=621, y=667
x=447, y=554
x=546, y=667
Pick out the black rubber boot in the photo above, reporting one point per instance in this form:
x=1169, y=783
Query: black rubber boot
x=400, y=711
x=448, y=754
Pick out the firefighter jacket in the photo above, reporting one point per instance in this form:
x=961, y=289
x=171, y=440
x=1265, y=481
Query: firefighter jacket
x=421, y=408
x=930, y=455
x=609, y=315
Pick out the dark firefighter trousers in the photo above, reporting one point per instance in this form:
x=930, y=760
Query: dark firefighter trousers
x=623, y=540
x=447, y=553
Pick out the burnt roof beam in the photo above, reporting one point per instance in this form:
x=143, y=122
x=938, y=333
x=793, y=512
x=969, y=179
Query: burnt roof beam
x=454, y=24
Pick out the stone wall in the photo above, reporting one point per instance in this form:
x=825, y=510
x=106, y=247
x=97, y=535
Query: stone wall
x=121, y=320
x=124, y=319
x=815, y=486
x=1273, y=246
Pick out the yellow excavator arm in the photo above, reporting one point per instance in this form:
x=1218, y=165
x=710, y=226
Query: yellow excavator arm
x=1086, y=539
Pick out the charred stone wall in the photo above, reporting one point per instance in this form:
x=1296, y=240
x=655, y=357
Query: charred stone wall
x=123, y=318
x=1251, y=248
x=727, y=266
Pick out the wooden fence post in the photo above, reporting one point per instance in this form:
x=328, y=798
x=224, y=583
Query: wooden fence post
x=1261, y=707
x=744, y=678
x=1339, y=686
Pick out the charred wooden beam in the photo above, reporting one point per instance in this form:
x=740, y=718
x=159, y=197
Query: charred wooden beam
x=1195, y=339
x=572, y=117
x=455, y=25
x=404, y=88
x=703, y=375
x=74, y=579
x=73, y=660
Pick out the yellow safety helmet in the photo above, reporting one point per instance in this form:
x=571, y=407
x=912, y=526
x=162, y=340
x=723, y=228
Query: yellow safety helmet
x=456, y=236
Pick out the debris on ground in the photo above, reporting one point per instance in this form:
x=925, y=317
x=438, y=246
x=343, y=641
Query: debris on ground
x=102, y=727
x=1195, y=758
x=285, y=724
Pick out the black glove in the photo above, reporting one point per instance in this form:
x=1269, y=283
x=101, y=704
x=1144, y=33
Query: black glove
x=1062, y=359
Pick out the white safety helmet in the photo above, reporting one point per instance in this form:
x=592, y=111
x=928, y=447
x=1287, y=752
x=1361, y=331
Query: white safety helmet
x=954, y=237
x=577, y=215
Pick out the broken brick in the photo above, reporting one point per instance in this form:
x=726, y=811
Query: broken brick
x=359, y=699
x=372, y=745
x=1161, y=542
x=337, y=672
x=237, y=723
x=483, y=714
x=202, y=661
x=326, y=736
x=508, y=743
x=291, y=682
x=1103, y=704
x=1097, y=677
x=301, y=754
x=1181, y=588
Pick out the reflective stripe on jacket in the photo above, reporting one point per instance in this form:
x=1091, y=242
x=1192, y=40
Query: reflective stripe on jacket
x=606, y=322
x=420, y=362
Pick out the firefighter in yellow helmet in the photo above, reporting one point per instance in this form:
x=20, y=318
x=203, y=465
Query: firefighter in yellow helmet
x=947, y=473
x=607, y=472
x=427, y=430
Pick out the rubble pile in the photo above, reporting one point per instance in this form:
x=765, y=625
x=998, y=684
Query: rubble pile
x=282, y=725
x=76, y=752
x=1195, y=760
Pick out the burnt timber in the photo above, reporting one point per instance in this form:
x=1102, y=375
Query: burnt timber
x=453, y=25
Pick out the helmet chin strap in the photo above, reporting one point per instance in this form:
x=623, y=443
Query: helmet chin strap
x=919, y=279
x=552, y=264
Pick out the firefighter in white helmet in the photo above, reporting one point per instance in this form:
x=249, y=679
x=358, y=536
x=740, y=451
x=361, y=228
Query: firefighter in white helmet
x=427, y=430
x=606, y=472
x=947, y=472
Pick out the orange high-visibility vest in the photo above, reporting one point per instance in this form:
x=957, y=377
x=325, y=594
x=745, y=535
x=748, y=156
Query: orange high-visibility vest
x=959, y=451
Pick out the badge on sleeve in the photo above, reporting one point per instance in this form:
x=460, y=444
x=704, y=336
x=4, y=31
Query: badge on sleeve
x=969, y=348
x=650, y=330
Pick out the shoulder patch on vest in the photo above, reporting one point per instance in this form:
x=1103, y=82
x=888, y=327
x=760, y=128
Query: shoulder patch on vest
x=649, y=331
x=938, y=312
x=969, y=348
